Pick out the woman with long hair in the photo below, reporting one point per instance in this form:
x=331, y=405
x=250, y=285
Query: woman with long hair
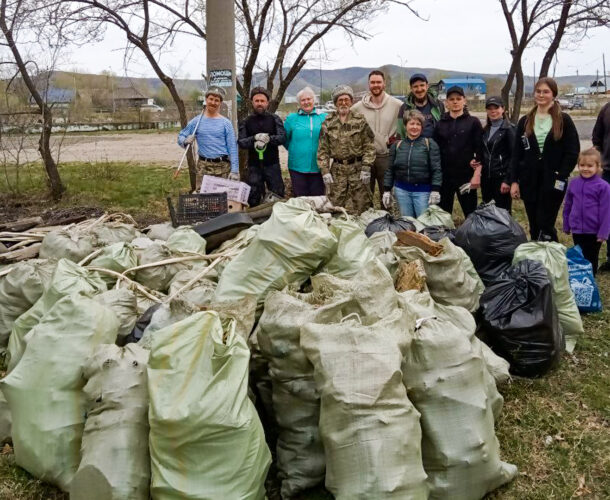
x=545, y=153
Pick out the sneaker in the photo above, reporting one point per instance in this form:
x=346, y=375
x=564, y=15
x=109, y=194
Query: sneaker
x=605, y=267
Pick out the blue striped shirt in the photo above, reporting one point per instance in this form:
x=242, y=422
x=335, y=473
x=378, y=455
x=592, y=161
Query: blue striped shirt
x=215, y=137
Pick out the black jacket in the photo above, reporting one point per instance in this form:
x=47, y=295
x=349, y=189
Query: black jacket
x=601, y=135
x=536, y=172
x=257, y=124
x=497, y=151
x=460, y=140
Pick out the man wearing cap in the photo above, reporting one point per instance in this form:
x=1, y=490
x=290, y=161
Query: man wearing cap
x=346, y=153
x=498, y=144
x=422, y=99
x=460, y=139
x=261, y=133
x=379, y=109
x=215, y=139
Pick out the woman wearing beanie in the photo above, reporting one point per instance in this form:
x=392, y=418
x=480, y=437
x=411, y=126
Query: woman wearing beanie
x=545, y=153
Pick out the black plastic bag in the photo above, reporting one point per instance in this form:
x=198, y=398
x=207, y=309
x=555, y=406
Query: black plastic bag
x=141, y=324
x=437, y=233
x=388, y=223
x=490, y=236
x=519, y=319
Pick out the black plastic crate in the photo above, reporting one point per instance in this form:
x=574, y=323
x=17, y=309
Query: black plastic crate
x=194, y=208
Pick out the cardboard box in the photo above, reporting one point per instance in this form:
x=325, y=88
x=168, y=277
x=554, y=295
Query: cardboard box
x=236, y=206
x=236, y=191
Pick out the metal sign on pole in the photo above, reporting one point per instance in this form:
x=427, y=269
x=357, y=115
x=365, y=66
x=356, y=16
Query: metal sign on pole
x=220, y=49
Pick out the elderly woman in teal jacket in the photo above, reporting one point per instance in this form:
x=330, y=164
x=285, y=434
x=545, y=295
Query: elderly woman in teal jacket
x=302, y=133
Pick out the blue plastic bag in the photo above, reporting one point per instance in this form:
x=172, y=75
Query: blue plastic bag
x=582, y=281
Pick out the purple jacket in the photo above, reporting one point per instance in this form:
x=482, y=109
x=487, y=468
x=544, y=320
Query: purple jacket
x=586, y=208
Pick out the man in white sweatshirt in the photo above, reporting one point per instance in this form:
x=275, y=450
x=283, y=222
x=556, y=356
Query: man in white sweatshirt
x=380, y=110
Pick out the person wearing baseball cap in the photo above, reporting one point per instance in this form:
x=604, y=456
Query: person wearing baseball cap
x=215, y=138
x=460, y=139
x=261, y=134
x=498, y=143
x=423, y=99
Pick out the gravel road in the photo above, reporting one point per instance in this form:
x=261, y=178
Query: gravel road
x=160, y=148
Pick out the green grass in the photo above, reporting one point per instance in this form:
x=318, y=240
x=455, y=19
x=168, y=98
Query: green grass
x=555, y=429
x=125, y=187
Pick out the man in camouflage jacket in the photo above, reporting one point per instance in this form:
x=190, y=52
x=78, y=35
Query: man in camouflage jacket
x=346, y=153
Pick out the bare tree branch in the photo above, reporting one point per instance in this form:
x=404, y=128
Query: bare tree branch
x=528, y=21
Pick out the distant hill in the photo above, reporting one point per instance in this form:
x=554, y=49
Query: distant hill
x=328, y=78
x=357, y=77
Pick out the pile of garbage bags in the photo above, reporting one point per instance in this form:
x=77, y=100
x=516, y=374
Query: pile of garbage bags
x=143, y=365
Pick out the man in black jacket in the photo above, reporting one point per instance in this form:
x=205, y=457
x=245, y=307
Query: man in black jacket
x=460, y=139
x=261, y=134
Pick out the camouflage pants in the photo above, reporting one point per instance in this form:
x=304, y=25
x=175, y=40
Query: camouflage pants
x=217, y=169
x=347, y=190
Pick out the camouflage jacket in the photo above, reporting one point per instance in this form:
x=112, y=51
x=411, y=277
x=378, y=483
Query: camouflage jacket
x=352, y=139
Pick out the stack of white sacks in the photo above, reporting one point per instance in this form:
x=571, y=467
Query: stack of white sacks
x=377, y=394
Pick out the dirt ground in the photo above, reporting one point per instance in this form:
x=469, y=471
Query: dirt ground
x=160, y=148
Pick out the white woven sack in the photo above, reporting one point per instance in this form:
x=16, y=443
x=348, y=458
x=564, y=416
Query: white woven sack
x=44, y=391
x=115, y=463
x=296, y=401
x=552, y=255
x=370, y=429
x=448, y=382
x=68, y=278
x=450, y=277
x=20, y=289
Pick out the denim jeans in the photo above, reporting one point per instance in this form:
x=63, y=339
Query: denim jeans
x=411, y=203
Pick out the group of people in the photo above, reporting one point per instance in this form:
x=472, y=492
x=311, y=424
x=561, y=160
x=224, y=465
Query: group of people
x=421, y=150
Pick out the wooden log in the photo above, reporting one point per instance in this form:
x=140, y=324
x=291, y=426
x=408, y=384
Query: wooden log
x=410, y=276
x=71, y=219
x=20, y=225
x=21, y=254
x=412, y=239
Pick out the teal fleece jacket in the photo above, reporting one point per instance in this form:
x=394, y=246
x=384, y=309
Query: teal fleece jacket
x=302, y=134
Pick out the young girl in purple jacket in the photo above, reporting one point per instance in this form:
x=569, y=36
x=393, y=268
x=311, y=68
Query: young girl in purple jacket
x=586, y=209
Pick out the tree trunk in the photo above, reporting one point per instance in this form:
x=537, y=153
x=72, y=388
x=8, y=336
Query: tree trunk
x=508, y=84
x=518, y=99
x=173, y=91
x=559, y=31
x=44, y=147
x=56, y=186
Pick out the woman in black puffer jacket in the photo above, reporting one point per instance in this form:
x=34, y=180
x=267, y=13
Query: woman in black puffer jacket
x=415, y=169
x=498, y=143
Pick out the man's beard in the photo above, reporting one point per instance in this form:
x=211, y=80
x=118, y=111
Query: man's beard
x=422, y=100
x=260, y=111
x=377, y=92
x=343, y=110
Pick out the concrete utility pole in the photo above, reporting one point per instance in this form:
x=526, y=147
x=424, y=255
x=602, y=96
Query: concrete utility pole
x=220, y=50
x=605, y=82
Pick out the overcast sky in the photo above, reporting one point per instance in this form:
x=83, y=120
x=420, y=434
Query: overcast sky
x=469, y=35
